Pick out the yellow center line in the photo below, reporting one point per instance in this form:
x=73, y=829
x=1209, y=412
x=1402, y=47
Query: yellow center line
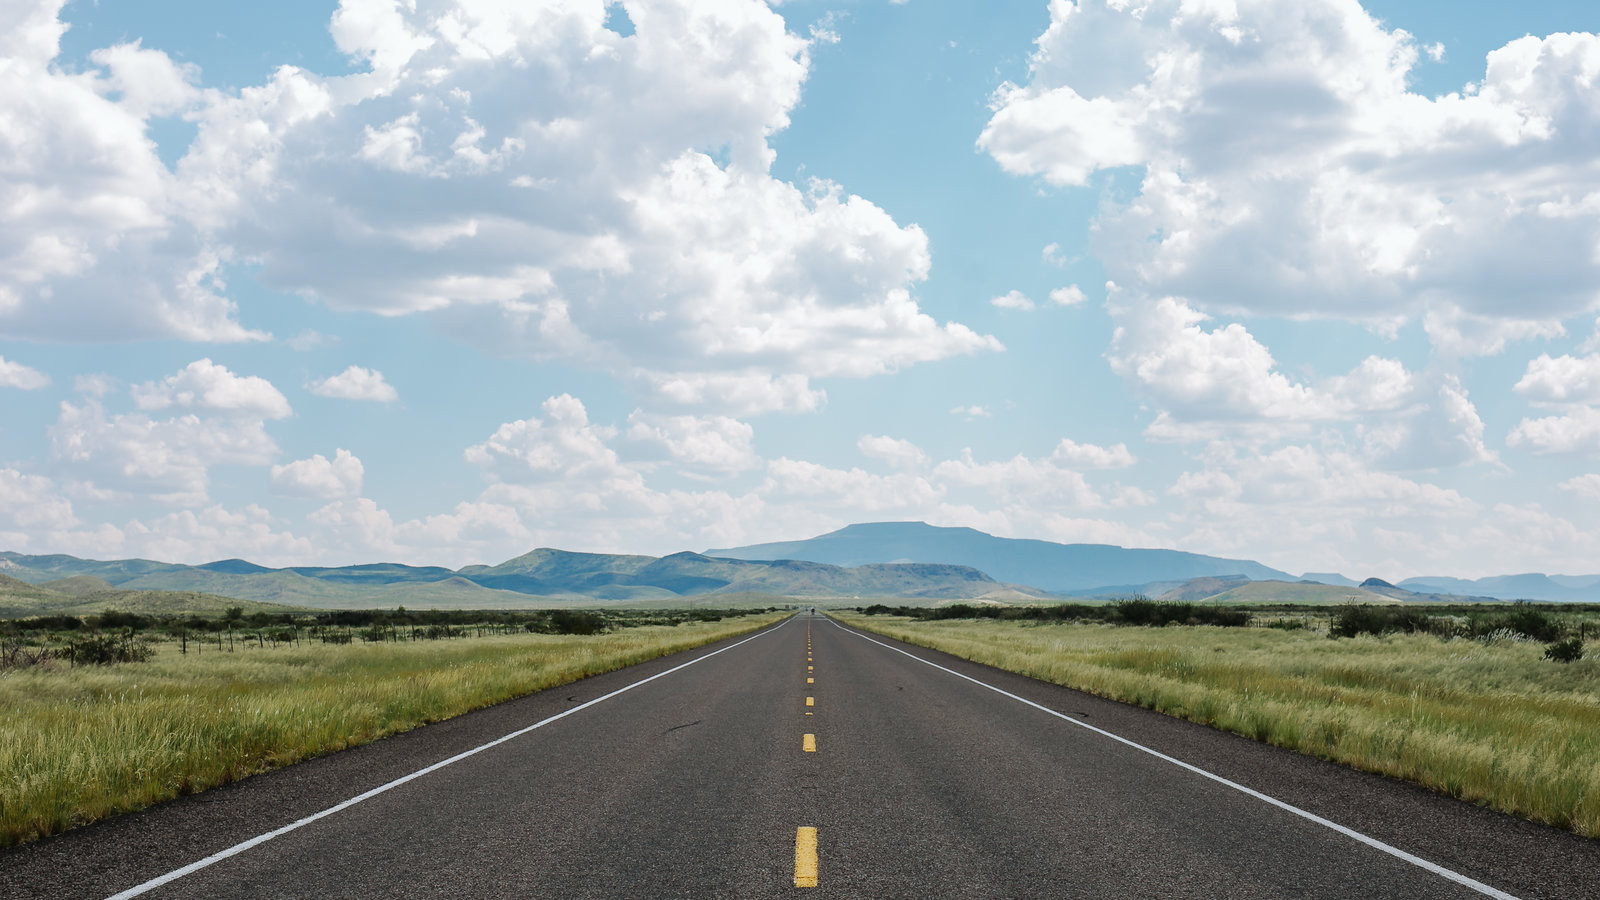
x=808, y=743
x=811, y=701
x=805, y=856
x=811, y=681
x=809, y=668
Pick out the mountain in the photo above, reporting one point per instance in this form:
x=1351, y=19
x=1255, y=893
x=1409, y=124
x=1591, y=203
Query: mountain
x=539, y=577
x=1529, y=586
x=1333, y=578
x=1059, y=568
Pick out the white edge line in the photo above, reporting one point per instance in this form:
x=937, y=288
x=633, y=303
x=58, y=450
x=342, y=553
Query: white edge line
x=1417, y=861
x=238, y=848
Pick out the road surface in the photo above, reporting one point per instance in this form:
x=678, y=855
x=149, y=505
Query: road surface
x=810, y=754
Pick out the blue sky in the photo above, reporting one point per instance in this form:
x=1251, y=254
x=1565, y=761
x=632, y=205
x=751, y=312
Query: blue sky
x=438, y=282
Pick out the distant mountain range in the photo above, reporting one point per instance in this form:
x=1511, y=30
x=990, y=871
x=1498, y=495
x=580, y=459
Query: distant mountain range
x=541, y=576
x=1531, y=586
x=907, y=560
x=1058, y=568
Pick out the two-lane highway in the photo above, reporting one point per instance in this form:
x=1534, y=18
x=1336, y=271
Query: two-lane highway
x=810, y=760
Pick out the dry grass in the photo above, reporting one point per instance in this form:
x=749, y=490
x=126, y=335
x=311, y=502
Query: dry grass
x=81, y=744
x=1494, y=723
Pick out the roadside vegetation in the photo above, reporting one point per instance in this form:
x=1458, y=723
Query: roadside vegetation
x=1495, y=705
x=179, y=705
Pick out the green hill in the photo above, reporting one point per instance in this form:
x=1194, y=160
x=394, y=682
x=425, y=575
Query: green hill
x=20, y=600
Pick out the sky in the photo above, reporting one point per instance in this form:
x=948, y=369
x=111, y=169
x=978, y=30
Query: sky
x=1314, y=283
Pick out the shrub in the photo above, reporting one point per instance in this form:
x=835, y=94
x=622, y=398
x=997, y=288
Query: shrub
x=569, y=621
x=105, y=649
x=1565, y=651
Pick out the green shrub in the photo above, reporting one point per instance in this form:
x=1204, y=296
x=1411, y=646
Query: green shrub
x=1565, y=651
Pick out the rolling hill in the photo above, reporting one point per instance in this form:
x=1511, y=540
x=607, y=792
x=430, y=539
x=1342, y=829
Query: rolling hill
x=541, y=577
x=82, y=595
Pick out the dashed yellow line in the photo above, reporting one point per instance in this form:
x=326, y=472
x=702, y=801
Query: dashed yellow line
x=808, y=743
x=805, y=857
x=811, y=681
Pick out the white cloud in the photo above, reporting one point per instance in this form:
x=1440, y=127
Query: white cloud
x=1198, y=375
x=972, y=411
x=320, y=478
x=741, y=393
x=1586, y=486
x=1071, y=295
x=1012, y=300
x=1286, y=169
x=1304, y=502
x=1561, y=379
x=16, y=375
x=1052, y=254
x=1020, y=480
x=897, y=453
x=98, y=240
x=1072, y=454
x=31, y=504
x=204, y=385
x=562, y=445
x=659, y=247
x=215, y=532
x=700, y=445
x=310, y=339
x=166, y=459
x=1577, y=432
x=1444, y=431
x=355, y=383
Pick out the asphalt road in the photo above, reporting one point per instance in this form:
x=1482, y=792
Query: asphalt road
x=921, y=783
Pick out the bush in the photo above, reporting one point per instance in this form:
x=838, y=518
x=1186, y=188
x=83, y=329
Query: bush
x=1355, y=618
x=105, y=649
x=569, y=621
x=1565, y=651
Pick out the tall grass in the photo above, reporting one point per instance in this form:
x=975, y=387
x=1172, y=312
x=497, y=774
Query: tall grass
x=81, y=744
x=1489, y=722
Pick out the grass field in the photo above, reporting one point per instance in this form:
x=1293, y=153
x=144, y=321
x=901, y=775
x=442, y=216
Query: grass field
x=81, y=744
x=1489, y=722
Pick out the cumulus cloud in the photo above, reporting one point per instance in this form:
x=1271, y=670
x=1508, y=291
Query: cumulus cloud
x=1577, y=432
x=98, y=239
x=1586, y=486
x=203, y=535
x=1071, y=295
x=1306, y=502
x=563, y=444
x=31, y=505
x=206, y=386
x=1285, y=168
x=897, y=453
x=1072, y=454
x=700, y=445
x=1020, y=479
x=320, y=478
x=355, y=383
x=971, y=411
x=131, y=454
x=1224, y=374
x=545, y=186
x=16, y=375
x=1012, y=300
x=1561, y=379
